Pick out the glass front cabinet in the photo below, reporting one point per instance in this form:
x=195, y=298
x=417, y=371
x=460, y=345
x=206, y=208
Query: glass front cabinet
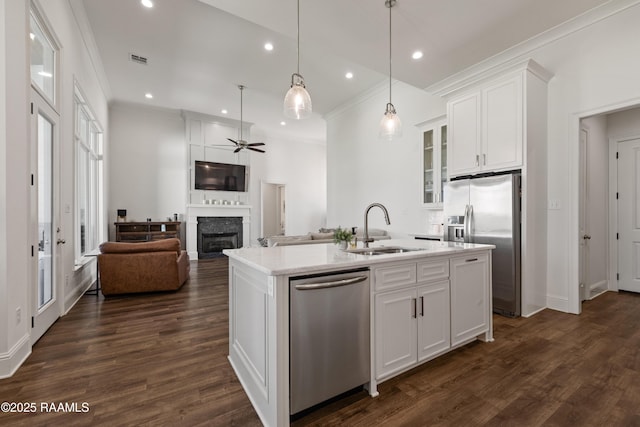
x=434, y=162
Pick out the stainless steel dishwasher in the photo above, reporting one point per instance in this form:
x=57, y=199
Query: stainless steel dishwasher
x=329, y=351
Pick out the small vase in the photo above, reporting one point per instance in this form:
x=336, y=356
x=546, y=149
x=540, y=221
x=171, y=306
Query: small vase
x=343, y=245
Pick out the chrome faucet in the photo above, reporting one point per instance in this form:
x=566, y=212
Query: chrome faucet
x=366, y=239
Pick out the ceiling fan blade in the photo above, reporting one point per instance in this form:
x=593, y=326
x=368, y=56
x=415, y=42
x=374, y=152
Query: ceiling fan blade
x=255, y=149
x=232, y=141
x=237, y=149
x=255, y=144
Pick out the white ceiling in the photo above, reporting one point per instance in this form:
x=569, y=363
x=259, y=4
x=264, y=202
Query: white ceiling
x=200, y=50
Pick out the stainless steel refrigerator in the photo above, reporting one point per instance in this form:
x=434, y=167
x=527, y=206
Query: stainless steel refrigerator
x=486, y=209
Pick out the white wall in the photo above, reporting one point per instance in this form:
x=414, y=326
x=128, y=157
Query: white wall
x=597, y=199
x=14, y=189
x=299, y=165
x=362, y=168
x=623, y=124
x=147, y=158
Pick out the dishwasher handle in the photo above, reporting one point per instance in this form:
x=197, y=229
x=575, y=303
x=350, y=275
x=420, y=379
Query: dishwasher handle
x=334, y=284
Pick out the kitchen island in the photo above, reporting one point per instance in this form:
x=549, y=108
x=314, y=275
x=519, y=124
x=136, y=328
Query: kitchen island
x=425, y=300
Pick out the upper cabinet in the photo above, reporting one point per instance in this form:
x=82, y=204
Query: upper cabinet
x=487, y=124
x=434, y=162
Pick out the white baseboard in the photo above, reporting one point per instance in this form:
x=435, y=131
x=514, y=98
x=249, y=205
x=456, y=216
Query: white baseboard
x=15, y=357
x=603, y=285
x=558, y=303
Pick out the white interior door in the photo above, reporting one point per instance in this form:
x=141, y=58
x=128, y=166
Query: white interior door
x=45, y=308
x=583, y=247
x=629, y=215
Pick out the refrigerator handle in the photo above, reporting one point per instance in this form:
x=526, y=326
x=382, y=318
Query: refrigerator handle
x=468, y=213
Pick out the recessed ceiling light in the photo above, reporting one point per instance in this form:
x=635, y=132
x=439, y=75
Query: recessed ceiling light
x=349, y=75
x=32, y=36
x=268, y=46
x=283, y=123
x=147, y=3
x=148, y=95
x=417, y=54
x=224, y=111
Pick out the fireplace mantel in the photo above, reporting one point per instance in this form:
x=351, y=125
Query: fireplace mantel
x=214, y=210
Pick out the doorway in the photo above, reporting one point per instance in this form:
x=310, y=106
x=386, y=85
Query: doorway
x=607, y=184
x=593, y=211
x=273, y=209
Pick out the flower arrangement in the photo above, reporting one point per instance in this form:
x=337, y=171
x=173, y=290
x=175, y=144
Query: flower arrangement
x=342, y=235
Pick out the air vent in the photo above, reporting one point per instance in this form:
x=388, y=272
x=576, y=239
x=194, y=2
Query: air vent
x=138, y=59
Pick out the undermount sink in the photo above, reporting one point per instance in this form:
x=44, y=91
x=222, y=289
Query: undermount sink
x=381, y=250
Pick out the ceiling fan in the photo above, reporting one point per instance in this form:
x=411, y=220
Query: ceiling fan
x=241, y=144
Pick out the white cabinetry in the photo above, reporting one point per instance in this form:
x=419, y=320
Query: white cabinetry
x=488, y=124
x=470, y=297
x=411, y=323
x=485, y=126
x=434, y=162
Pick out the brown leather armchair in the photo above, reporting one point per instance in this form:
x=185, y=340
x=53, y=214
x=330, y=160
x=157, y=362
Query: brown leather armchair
x=158, y=265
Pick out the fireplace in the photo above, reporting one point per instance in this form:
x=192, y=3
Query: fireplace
x=215, y=234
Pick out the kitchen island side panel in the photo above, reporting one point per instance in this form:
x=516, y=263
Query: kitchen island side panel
x=258, y=340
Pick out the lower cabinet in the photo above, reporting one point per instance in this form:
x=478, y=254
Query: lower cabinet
x=470, y=297
x=424, y=309
x=411, y=325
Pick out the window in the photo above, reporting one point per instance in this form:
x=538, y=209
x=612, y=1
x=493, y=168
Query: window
x=89, y=180
x=43, y=60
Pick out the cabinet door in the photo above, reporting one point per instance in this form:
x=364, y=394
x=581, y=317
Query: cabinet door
x=464, y=135
x=470, y=304
x=434, y=166
x=434, y=333
x=395, y=329
x=429, y=166
x=502, y=136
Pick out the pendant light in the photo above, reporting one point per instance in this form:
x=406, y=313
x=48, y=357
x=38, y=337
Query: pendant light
x=390, y=125
x=297, y=102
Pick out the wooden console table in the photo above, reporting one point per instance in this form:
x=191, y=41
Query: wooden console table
x=146, y=231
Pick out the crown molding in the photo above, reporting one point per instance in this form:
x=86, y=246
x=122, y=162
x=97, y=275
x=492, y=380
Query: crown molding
x=511, y=58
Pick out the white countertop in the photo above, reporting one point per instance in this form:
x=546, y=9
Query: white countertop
x=312, y=258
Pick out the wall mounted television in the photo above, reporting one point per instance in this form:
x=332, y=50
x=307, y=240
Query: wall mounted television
x=220, y=176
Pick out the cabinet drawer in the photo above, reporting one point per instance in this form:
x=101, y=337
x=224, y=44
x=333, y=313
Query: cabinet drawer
x=394, y=276
x=433, y=270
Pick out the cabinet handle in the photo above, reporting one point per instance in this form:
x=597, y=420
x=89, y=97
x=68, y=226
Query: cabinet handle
x=477, y=160
x=484, y=159
x=415, y=308
x=422, y=306
x=471, y=260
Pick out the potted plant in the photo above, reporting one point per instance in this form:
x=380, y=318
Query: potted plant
x=342, y=237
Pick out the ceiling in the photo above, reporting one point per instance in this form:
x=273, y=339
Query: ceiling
x=199, y=50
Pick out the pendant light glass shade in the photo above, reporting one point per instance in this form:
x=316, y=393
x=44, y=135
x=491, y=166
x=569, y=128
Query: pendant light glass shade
x=297, y=101
x=390, y=125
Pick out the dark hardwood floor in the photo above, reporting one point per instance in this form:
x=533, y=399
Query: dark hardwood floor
x=160, y=359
